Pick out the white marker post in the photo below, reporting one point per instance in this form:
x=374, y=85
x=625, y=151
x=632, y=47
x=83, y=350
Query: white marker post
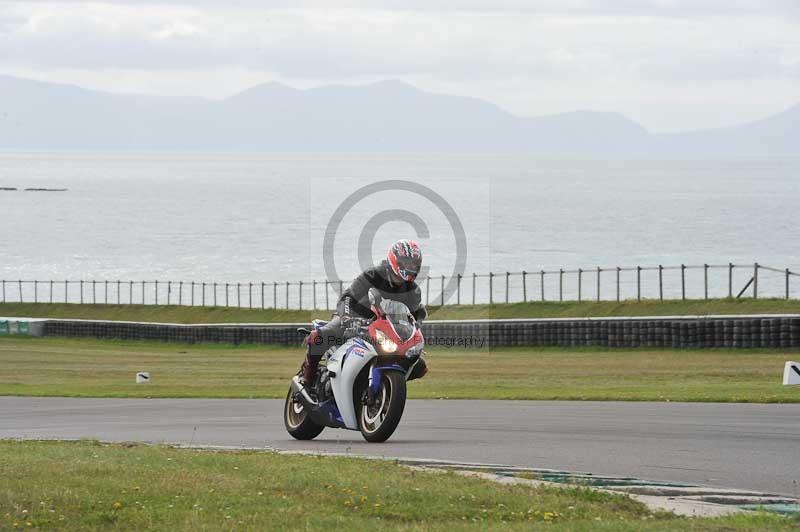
x=791, y=373
x=142, y=377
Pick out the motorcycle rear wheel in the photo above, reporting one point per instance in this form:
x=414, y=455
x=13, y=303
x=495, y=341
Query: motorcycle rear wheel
x=378, y=421
x=298, y=423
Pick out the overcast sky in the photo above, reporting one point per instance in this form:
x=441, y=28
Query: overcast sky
x=669, y=64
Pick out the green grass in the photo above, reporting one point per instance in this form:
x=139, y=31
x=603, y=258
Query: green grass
x=91, y=486
x=106, y=368
x=176, y=314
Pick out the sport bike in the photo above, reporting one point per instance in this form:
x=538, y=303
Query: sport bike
x=361, y=384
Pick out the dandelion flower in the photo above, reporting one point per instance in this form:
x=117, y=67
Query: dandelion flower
x=117, y=505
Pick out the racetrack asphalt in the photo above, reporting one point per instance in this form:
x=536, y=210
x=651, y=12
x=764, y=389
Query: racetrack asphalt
x=745, y=446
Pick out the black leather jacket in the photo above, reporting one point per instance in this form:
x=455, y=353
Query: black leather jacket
x=355, y=300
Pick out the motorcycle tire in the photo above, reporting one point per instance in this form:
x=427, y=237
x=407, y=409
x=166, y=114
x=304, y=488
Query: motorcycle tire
x=378, y=421
x=298, y=423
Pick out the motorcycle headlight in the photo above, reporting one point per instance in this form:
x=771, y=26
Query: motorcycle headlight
x=386, y=343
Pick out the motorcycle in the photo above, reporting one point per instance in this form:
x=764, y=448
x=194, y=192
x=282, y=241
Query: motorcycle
x=360, y=385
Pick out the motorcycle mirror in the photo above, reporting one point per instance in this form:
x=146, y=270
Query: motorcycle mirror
x=374, y=297
x=375, y=301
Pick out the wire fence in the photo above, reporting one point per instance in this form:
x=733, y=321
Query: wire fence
x=592, y=284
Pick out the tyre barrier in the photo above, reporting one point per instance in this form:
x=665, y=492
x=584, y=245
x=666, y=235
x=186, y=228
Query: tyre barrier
x=779, y=331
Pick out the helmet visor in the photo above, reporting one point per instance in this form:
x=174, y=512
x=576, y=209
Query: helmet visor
x=408, y=267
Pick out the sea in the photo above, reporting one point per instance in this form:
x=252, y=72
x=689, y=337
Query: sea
x=277, y=218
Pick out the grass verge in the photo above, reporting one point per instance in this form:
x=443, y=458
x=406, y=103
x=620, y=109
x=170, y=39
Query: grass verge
x=568, y=309
x=91, y=486
x=106, y=368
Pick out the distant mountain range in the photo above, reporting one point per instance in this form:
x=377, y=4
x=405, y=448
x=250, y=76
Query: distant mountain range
x=389, y=116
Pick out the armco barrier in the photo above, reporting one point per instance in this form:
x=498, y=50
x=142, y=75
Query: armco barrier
x=20, y=326
x=763, y=331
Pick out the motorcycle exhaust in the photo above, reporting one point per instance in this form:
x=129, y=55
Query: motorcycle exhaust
x=301, y=393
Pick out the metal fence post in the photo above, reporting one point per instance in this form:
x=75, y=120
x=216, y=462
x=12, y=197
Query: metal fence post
x=541, y=280
x=705, y=281
x=105, y=293
x=508, y=274
x=598, y=283
x=119, y=283
x=180, y=293
x=262, y=295
x=580, y=284
x=81, y=287
x=169, y=292
x=314, y=293
x=274, y=294
x=327, y=301
x=227, y=296
x=428, y=290
x=66, y=290
x=51, y=291
x=300, y=292
x=442, y=290
x=661, y=282
x=36, y=289
x=491, y=288
x=458, y=289
x=21, y=299
x=618, y=270
x=239, y=295
x=638, y=283
x=203, y=294
x=143, y=283
x=4, y=290
x=524, y=287
x=683, y=281
x=94, y=292
x=755, y=280
x=192, y=298
x=130, y=293
x=561, y=284
x=287, y=294
x=341, y=287
x=787, y=283
x=215, y=294
x=250, y=295
x=474, y=277
x=730, y=279
x=156, y=291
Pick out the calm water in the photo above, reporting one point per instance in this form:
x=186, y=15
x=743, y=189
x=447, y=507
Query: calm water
x=263, y=217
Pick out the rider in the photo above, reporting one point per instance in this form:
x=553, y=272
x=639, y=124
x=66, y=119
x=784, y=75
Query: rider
x=394, y=278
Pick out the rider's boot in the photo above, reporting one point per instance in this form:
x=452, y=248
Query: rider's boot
x=309, y=370
x=311, y=362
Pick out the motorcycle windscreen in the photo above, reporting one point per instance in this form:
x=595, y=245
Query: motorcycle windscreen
x=400, y=317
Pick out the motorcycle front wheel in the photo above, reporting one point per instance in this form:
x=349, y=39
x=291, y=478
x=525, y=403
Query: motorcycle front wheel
x=379, y=420
x=298, y=423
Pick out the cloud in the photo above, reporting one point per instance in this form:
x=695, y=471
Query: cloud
x=319, y=44
x=530, y=56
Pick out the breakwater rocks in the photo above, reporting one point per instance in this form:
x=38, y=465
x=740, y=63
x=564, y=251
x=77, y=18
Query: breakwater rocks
x=780, y=331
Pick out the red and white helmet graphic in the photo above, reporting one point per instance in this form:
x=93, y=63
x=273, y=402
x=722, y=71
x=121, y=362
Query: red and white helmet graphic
x=405, y=259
